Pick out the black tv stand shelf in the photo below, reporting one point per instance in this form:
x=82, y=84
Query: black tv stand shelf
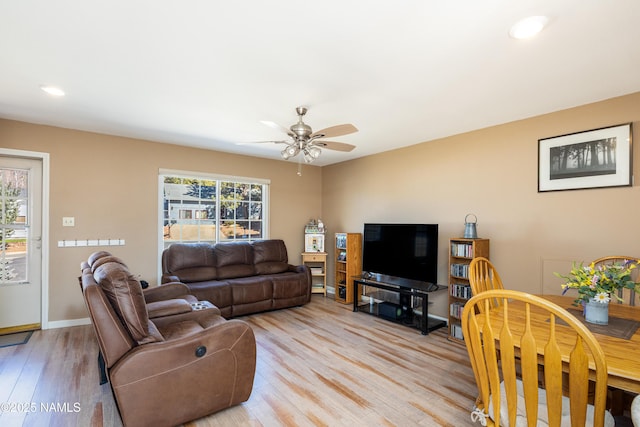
x=413, y=296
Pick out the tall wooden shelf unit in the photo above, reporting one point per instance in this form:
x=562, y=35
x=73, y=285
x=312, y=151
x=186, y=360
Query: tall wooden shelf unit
x=461, y=252
x=348, y=257
x=317, y=263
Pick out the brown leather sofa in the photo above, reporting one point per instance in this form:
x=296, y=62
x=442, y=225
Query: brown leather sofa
x=174, y=368
x=238, y=277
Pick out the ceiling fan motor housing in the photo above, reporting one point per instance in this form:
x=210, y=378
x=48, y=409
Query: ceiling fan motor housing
x=301, y=129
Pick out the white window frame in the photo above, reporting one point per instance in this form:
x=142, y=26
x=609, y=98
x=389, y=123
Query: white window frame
x=162, y=173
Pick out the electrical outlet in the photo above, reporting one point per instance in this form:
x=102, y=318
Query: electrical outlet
x=68, y=221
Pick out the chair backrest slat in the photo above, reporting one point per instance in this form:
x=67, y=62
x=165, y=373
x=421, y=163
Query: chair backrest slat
x=483, y=277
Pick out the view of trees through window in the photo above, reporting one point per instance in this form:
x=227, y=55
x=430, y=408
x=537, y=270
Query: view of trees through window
x=13, y=232
x=209, y=210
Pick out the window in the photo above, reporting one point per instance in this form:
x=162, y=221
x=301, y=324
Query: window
x=198, y=208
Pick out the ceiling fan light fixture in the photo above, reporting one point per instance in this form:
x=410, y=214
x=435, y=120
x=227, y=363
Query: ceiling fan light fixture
x=307, y=156
x=315, y=152
x=289, y=151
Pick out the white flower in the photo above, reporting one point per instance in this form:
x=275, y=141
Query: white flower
x=602, y=297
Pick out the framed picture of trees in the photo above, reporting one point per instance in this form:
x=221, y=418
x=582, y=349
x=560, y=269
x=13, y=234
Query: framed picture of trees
x=590, y=159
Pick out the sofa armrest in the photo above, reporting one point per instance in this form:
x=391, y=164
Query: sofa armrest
x=299, y=268
x=167, y=291
x=167, y=278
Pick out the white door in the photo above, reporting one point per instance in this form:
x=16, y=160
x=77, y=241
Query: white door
x=20, y=244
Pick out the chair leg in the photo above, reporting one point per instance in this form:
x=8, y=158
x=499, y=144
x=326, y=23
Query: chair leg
x=102, y=369
x=616, y=401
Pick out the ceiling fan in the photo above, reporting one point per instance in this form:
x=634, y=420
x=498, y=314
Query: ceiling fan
x=309, y=143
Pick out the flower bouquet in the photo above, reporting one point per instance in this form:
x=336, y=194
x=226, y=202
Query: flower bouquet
x=600, y=283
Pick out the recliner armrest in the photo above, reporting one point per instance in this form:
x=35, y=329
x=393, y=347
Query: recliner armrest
x=165, y=292
x=168, y=307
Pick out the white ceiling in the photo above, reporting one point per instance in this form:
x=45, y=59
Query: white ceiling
x=204, y=73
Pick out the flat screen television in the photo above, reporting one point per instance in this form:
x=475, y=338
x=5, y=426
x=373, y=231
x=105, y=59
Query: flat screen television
x=404, y=251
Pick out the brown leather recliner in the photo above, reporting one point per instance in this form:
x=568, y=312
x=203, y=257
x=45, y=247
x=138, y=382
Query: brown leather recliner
x=171, y=369
x=173, y=298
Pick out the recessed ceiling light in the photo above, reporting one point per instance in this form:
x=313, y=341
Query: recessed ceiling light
x=52, y=90
x=528, y=27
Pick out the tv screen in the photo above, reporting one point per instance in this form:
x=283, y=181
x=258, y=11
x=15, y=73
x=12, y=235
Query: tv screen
x=406, y=251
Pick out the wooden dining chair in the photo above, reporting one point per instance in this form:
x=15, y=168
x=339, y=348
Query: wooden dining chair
x=483, y=276
x=628, y=296
x=506, y=399
x=617, y=398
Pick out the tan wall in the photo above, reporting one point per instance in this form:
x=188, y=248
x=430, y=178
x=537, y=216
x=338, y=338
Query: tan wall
x=493, y=174
x=110, y=185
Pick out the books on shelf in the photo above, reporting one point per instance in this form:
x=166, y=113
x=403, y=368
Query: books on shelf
x=455, y=309
x=460, y=270
x=456, y=331
x=460, y=290
x=464, y=250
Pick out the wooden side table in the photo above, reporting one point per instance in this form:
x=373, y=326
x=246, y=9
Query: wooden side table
x=317, y=263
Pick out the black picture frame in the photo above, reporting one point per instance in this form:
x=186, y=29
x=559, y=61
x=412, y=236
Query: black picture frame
x=590, y=159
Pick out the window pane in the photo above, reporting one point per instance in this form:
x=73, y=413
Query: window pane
x=13, y=222
x=255, y=211
x=196, y=209
x=255, y=230
x=228, y=230
x=227, y=210
x=256, y=192
x=242, y=210
x=243, y=191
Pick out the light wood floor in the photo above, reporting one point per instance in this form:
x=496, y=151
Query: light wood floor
x=318, y=365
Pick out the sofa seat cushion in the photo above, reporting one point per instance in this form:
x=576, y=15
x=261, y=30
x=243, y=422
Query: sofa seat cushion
x=288, y=285
x=216, y=292
x=234, y=260
x=270, y=256
x=251, y=289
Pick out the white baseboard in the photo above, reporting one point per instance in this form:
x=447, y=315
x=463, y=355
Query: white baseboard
x=67, y=323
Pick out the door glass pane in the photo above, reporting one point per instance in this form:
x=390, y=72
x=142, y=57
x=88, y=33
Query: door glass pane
x=13, y=225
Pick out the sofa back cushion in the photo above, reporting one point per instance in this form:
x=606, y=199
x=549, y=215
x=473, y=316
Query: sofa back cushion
x=125, y=295
x=190, y=262
x=270, y=256
x=234, y=259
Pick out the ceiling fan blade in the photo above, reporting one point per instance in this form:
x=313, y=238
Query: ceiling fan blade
x=332, y=131
x=333, y=145
x=276, y=126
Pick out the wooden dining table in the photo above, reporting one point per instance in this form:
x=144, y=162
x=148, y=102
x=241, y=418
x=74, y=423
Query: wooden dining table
x=620, y=340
